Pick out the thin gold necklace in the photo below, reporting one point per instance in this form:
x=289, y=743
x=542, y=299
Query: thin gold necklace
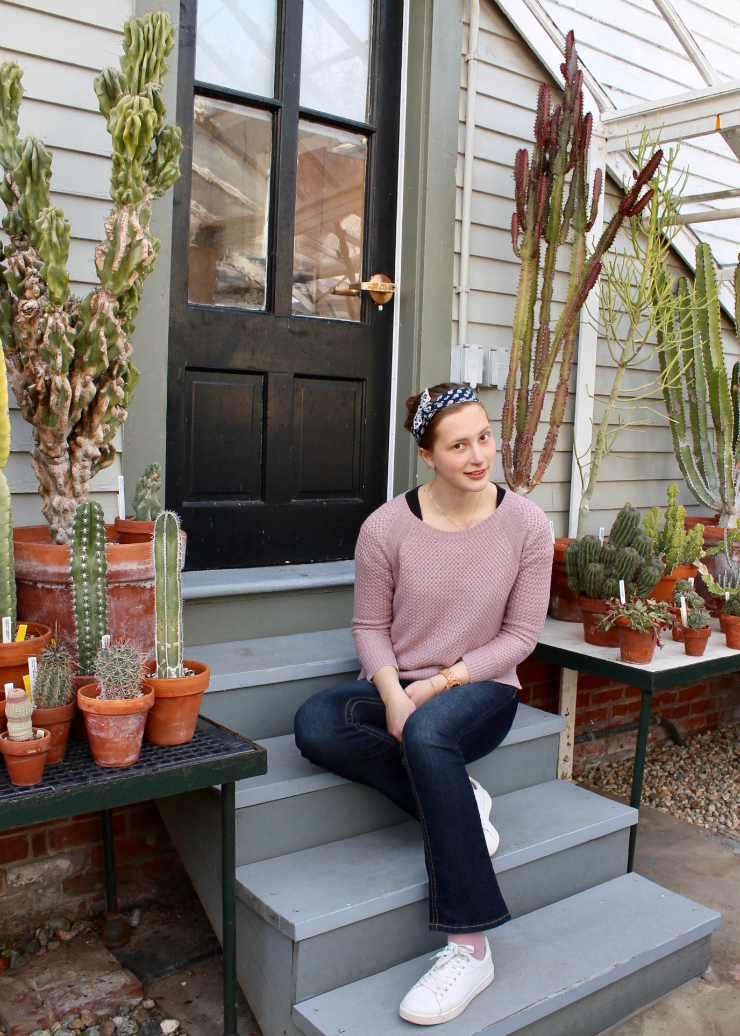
x=444, y=515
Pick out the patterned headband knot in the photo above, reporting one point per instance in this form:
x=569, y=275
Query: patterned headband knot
x=428, y=407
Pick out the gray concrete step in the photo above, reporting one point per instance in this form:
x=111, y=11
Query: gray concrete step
x=569, y=969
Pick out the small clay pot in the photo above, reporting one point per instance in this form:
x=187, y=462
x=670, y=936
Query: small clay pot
x=132, y=531
x=563, y=602
x=15, y=655
x=677, y=628
x=732, y=631
x=115, y=729
x=25, y=760
x=635, y=645
x=57, y=721
x=172, y=719
x=695, y=641
x=591, y=609
x=3, y=724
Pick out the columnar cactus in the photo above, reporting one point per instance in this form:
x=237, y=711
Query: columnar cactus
x=696, y=384
x=88, y=567
x=146, y=503
x=672, y=542
x=54, y=686
x=7, y=560
x=119, y=670
x=548, y=207
x=595, y=570
x=70, y=359
x=168, y=560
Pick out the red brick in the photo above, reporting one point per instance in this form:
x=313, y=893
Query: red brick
x=38, y=843
x=607, y=695
x=14, y=848
x=85, y=831
x=583, y=700
x=145, y=819
x=692, y=692
x=676, y=711
x=592, y=716
x=589, y=682
x=664, y=698
x=625, y=711
x=704, y=705
x=163, y=865
x=83, y=884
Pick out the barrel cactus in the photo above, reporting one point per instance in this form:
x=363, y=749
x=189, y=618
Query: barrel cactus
x=119, y=670
x=595, y=569
x=54, y=685
x=70, y=359
x=18, y=710
x=88, y=567
x=168, y=561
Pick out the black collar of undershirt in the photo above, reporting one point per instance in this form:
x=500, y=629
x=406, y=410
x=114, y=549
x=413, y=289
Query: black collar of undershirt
x=412, y=499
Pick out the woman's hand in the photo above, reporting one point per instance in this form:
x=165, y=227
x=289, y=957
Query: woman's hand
x=421, y=690
x=398, y=708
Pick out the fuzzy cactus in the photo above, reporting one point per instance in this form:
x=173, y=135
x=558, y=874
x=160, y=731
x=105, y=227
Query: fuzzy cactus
x=54, y=686
x=119, y=670
x=88, y=568
x=18, y=709
x=146, y=502
x=670, y=540
x=70, y=359
x=7, y=558
x=732, y=607
x=168, y=560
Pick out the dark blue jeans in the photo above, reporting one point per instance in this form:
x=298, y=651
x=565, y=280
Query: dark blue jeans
x=343, y=729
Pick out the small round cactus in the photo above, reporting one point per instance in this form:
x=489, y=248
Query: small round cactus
x=119, y=670
x=18, y=711
x=54, y=686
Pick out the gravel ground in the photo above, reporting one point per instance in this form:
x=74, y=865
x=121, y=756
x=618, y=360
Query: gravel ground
x=699, y=781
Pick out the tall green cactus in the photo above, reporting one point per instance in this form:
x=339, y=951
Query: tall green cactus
x=672, y=542
x=70, y=360
x=168, y=560
x=7, y=559
x=88, y=568
x=696, y=384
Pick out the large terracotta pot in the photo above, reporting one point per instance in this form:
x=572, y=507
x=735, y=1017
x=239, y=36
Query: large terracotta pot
x=25, y=760
x=667, y=584
x=563, y=602
x=15, y=655
x=705, y=520
x=634, y=645
x=132, y=531
x=732, y=631
x=695, y=641
x=115, y=729
x=172, y=719
x=3, y=724
x=713, y=536
x=57, y=721
x=591, y=609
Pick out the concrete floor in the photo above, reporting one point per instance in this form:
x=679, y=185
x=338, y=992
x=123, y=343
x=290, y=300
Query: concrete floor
x=671, y=852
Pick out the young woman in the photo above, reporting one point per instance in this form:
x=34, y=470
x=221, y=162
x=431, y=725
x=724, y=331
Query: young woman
x=451, y=591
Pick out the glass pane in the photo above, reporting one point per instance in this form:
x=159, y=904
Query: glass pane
x=334, y=60
x=229, y=199
x=236, y=45
x=329, y=217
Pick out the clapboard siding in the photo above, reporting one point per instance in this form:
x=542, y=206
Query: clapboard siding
x=61, y=48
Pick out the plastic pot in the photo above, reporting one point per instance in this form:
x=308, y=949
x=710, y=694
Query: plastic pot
x=591, y=609
x=115, y=729
x=732, y=631
x=635, y=645
x=130, y=530
x=563, y=602
x=57, y=721
x=15, y=655
x=26, y=760
x=695, y=641
x=172, y=719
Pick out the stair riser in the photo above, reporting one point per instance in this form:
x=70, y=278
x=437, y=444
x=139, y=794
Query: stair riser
x=214, y=620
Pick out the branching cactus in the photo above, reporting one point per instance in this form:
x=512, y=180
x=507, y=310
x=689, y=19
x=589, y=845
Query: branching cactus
x=168, y=560
x=552, y=200
x=671, y=541
x=119, y=670
x=7, y=560
x=595, y=569
x=54, y=686
x=70, y=359
x=146, y=502
x=88, y=567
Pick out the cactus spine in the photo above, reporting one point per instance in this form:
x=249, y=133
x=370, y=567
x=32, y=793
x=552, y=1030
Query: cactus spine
x=88, y=568
x=7, y=559
x=119, y=670
x=54, y=685
x=168, y=560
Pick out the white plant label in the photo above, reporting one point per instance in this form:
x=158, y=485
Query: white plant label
x=601, y=535
x=8, y=687
x=7, y=629
x=684, y=612
x=691, y=580
x=121, y=499
x=33, y=666
x=105, y=640
x=727, y=595
x=552, y=531
x=622, y=594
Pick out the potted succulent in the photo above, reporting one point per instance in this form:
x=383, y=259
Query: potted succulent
x=563, y=601
x=88, y=568
x=676, y=547
x=595, y=570
x=697, y=630
x=116, y=705
x=178, y=685
x=54, y=699
x=683, y=588
x=638, y=623
x=24, y=746
x=730, y=619
x=139, y=527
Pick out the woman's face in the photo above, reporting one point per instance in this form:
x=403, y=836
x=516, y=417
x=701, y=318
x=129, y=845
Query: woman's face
x=464, y=448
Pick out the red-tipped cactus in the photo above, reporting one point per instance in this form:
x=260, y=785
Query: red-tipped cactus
x=553, y=204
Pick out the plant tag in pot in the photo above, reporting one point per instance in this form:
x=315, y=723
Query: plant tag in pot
x=21, y=632
x=622, y=594
x=691, y=580
x=7, y=629
x=27, y=686
x=552, y=531
x=33, y=666
x=121, y=499
x=684, y=613
x=105, y=640
x=601, y=537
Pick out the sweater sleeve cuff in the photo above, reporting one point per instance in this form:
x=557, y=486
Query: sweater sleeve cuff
x=374, y=657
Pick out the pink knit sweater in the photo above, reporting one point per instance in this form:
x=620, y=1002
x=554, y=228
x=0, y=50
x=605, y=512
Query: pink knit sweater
x=425, y=598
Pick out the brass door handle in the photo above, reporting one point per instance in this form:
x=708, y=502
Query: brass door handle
x=380, y=289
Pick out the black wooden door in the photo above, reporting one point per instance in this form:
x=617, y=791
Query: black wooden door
x=279, y=367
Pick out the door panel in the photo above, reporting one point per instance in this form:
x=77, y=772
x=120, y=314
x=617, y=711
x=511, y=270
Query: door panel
x=327, y=411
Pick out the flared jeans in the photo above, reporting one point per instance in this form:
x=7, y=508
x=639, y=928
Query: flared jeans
x=343, y=729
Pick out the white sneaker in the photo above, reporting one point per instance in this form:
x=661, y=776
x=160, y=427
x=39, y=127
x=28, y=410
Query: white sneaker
x=449, y=985
x=484, y=808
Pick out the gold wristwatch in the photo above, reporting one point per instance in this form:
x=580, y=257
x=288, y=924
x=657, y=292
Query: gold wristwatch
x=452, y=680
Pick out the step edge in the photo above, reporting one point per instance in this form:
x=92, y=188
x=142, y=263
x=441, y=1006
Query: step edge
x=212, y=584
x=249, y=678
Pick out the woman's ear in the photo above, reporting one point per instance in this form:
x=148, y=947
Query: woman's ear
x=426, y=457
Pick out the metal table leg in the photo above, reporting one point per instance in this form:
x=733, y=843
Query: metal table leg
x=115, y=931
x=228, y=892
x=640, y=753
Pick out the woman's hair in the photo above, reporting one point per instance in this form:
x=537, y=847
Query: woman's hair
x=412, y=405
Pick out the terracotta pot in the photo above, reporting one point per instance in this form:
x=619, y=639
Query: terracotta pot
x=732, y=631
x=685, y=572
x=132, y=531
x=3, y=724
x=591, y=609
x=563, y=602
x=634, y=645
x=695, y=641
x=25, y=760
x=176, y=706
x=57, y=721
x=14, y=656
x=717, y=568
x=705, y=520
x=677, y=630
x=115, y=729
x=79, y=730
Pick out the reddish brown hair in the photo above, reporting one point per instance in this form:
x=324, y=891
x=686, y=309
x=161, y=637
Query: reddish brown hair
x=435, y=391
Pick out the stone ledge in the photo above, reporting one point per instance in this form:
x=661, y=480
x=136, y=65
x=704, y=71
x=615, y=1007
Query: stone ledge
x=234, y=582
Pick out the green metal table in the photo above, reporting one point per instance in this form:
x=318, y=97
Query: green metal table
x=562, y=644
x=214, y=756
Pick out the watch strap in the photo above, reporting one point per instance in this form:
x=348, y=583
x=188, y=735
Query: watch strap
x=451, y=678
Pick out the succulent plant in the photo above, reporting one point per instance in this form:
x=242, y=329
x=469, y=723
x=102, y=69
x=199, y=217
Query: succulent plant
x=595, y=569
x=697, y=618
x=70, y=359
x=146, y=502
x=88, y=567
x=168, y=559
x=645, y=616
x=54, y=685
x=690, y=596
x=18, y=709
x=119, y=670
x=671, y=541
x=732, y=607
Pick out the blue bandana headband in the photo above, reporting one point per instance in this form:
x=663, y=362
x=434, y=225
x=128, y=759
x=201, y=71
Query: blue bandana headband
x=428, y=407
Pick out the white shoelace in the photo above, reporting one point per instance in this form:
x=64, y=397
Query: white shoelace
x=451, y=962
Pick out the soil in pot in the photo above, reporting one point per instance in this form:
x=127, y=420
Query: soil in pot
x=695, y=641
x=172, y=719
x=591, y=609
x=563, y=602
x=58, y=722
x=115, y=729
x=732, y=631
x=635, y=645
x=130, y=530
x=15, y=655
x=26, y=760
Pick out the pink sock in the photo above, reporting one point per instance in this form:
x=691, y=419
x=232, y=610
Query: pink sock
x=475, y=939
